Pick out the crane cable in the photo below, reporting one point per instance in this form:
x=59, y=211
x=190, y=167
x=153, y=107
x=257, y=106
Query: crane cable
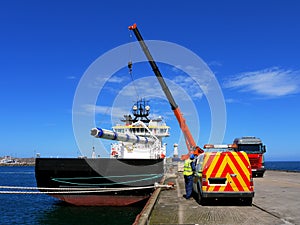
x=129, y=65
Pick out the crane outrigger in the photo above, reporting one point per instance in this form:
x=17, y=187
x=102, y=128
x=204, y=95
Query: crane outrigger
x=189, y=140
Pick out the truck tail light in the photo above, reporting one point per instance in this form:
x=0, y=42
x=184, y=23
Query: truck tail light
x=204, y=181
x=251, y=181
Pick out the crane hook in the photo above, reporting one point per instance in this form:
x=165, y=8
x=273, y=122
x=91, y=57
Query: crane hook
x=130, y=66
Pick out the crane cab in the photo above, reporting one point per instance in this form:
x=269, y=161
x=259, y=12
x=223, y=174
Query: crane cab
x=223, y=173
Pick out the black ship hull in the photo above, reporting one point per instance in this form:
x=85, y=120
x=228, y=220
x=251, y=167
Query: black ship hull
x=98, y=182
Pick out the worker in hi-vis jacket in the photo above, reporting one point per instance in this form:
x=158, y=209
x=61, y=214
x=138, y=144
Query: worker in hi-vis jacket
x=188, y=170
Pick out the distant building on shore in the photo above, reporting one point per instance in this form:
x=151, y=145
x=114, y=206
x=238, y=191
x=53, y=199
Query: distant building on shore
x=10, y=161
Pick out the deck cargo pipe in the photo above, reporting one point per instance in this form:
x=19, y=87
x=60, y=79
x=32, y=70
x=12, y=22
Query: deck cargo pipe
x=112, y=135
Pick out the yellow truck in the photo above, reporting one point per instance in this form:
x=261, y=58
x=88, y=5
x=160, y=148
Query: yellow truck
x=223, y=173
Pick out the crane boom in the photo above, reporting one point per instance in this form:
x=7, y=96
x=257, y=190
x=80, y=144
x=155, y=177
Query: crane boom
x=189, y=140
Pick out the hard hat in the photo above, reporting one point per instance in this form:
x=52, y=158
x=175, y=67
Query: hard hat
x=192, y=156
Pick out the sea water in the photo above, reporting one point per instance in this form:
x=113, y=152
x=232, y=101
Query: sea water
x=44, y=209
x=283, y=165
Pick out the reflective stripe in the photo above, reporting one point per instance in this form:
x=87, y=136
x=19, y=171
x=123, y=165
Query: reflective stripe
x=187, y=168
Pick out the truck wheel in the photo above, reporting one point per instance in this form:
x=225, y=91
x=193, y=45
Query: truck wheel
x=200, y=199
x=260, y=175
x=198, y=194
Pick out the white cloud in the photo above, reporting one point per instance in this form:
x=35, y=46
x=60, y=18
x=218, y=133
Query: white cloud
x=231, y=100
x=141, y=88
x=103, y=110
x=197, y=82
x=88, y=109
x=98, y=109
x=149, y=86
x=71, y=77
x=189, y=85
x=117, y=79
x=214, y=63
x=271, y=82
x=102, y=80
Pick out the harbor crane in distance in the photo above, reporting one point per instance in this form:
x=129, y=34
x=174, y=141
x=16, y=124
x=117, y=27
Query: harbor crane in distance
x=189, y=140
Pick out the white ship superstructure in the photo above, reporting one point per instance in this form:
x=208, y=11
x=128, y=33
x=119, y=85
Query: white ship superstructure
x=139, y=137
x=140, y=126
x=156, y=129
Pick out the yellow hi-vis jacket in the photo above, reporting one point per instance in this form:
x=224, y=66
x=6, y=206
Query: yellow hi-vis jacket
x=187, y=168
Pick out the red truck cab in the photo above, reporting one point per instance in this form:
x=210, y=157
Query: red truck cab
x=255, y=150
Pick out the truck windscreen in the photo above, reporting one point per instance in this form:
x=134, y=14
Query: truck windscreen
x=250, y=148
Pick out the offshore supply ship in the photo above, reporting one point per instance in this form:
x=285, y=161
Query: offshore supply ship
x=128, y=176
x=136, y=162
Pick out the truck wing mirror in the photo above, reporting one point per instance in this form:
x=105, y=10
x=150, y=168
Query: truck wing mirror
x=264, y=148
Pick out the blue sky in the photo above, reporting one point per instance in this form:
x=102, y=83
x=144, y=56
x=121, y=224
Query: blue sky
x=252, y=47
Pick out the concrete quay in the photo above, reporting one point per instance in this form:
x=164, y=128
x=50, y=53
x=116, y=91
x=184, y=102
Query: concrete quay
x=276, y=201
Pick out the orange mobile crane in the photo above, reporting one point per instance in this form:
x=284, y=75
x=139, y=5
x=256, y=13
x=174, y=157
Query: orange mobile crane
x=189, y=140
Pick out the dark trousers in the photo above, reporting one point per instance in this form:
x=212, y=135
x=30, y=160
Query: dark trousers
x=188, y=180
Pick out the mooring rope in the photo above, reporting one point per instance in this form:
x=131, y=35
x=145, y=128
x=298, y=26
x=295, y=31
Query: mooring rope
x=67, y=190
